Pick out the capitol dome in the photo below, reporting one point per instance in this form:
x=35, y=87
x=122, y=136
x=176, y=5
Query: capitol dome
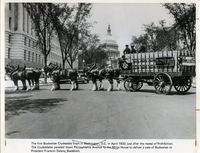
x=109, y=40
x=111, y=47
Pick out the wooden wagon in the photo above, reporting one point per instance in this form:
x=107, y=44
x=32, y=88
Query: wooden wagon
x=163, y=69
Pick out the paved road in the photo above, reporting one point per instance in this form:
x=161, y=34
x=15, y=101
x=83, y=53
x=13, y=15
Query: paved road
x=84, y=114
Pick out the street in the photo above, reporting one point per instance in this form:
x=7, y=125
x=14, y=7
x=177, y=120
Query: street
x=85, y=114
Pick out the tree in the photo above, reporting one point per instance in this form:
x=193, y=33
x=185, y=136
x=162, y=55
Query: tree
x=165, y=37
x=156, y=38
x=92, y=51
x=185, y=18
x=42, y=15
x=141, y=40
x=71, y=29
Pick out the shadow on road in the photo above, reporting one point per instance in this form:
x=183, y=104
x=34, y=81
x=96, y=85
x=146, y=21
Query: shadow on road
x=15, y=107
x=171, y=92
x=13, y=132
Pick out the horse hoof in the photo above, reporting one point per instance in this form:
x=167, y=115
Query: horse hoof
x=109, y=90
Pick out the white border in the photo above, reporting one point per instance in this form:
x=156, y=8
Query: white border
x=23, y=145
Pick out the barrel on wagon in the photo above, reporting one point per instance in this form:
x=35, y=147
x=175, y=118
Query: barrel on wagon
x=163, y=69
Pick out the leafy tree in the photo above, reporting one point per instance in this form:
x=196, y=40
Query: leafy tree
x=156, y=37
x=92, y=51
x=185, y=18
x=141, y=40
x=71, y=28
x=42, y=15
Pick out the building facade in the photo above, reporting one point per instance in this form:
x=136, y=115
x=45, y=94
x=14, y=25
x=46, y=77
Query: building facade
x=110, y=45
x=21, y=47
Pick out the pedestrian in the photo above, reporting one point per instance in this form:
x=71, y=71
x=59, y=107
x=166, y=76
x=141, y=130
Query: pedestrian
x=127, y=50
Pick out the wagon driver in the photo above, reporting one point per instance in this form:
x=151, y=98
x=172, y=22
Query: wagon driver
x=133, y=49
x=127, y=50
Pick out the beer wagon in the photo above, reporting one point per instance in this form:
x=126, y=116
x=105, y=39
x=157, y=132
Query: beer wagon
x=163, y=69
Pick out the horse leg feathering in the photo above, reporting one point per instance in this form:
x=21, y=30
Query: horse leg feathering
x=24, y=85
x=54, y=86
x=101, y=85
x=16, y=85
x=94, y=82
x=118, y=85
x=16, y=88
x=29, y=87
x=94, y=86
x=72, y=85
x=110, y=88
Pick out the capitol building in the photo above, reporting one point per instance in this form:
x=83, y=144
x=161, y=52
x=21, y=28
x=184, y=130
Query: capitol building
x=110, y=45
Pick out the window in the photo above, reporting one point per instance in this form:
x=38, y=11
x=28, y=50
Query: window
x=8, y=53
x=33, y=44
x=29, y=44
x=32, y=57
x=9, y=23
x=24, y=54
x=9, y=38
x=23, y=18
x=29, y=55
x=9, y=6
x=35, y=57
x=25, y=41
x=39, y=58
x=37, y=46
x=28, y=24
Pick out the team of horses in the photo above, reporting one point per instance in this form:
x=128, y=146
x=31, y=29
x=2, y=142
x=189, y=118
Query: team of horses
x=32, y=75
x=56, y=73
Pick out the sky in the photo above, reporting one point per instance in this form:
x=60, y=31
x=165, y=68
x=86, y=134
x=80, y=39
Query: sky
x=126, y=19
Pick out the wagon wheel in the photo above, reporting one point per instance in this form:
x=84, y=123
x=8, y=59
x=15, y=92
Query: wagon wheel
x=182, y=85
x=130, y=84
x=162, y=83
x=140, y=84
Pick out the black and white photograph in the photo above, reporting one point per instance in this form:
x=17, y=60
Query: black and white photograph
x=99, y=75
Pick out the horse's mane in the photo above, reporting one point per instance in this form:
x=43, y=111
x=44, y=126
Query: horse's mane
x=24, y=68
x=101, y=66
x=16, y=69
